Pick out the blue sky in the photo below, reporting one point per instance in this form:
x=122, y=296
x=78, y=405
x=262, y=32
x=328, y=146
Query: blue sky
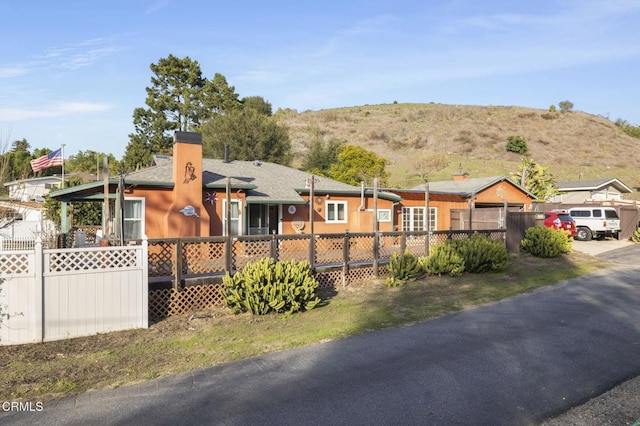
x=72, y=72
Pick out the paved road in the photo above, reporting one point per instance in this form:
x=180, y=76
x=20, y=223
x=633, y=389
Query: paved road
x=517, y=361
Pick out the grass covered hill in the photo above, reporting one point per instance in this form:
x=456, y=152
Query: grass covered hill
x=573, y=145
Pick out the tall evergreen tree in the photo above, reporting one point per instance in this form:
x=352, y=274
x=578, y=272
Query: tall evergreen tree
x=179, y=98
x=249, y=134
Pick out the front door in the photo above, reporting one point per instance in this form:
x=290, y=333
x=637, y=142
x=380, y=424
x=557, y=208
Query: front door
x=263, y=219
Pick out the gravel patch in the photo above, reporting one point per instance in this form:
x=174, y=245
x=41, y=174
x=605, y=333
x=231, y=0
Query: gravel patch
x=619, y=406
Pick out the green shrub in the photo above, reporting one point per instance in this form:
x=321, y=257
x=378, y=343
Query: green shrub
x=541, y=241
x=482, y=254
x=269, y=286
x=636, y=236
x=444, y=259
x=475, y=255
x=403, y=268
x=517, y=144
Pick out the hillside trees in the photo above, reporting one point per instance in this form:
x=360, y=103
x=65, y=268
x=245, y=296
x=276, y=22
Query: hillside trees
x=250, y=134
x=565, y=106
x=179, y=98
x=517, y=144
x=356, y=164
x=625, y=126
x=91, y=162
x=321, y=156
x=426, y=163
x=345, y=163
x=17, y=161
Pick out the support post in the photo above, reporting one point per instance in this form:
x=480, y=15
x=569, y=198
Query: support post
x=312, y=240
x=376, y=237
x=228, y=247
x=345, y=258
x=38, y=252
x=177, y=278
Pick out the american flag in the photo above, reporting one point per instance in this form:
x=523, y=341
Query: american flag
x=50, y=160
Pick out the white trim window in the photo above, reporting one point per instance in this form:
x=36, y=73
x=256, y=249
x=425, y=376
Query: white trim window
x=133, y=220
x=413, y=218
x=433, y=218
x=236, y=217
x=336, y=211
x=384, y=215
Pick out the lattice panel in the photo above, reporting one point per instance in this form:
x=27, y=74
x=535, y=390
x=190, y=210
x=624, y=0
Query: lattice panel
x=205, y=257
x=15, y=264
x=361, y=274
x=329, y=250
x=294, y=249
x=168, y=302
x=329, y=279
x=250, y=251
x=161, y=259
x=389, y=244
x=87, y=260
x=416, y=244
x=361, y=248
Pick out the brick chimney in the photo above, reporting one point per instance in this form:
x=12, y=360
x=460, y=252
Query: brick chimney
x=187, y=217
x=459, y=177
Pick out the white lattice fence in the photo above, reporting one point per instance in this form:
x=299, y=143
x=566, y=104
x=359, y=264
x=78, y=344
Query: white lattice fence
x=62, y=293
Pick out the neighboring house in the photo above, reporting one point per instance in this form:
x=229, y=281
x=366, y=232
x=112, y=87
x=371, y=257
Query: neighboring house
x=581, y=191
x=32, y=189
x=187, y=196
x=459, y=194
x=24, y=220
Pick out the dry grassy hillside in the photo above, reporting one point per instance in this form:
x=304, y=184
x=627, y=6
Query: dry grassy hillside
x=573, y=145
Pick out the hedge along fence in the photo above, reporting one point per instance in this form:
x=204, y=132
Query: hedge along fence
x=185, y=274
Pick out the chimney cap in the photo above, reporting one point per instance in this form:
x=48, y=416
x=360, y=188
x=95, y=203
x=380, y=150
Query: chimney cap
x=187, y=137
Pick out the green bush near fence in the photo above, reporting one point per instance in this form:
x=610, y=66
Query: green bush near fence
x=541, y=241
x=444, y=260
x=403, y=268
x=268, y=286
x=476, y=254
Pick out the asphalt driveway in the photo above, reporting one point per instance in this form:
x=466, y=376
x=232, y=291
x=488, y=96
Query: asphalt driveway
x=517, y=361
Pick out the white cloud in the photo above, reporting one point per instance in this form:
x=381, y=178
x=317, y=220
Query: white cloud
x=61, y=109
x=156, y=6
x=78, y=55
x=15, y=71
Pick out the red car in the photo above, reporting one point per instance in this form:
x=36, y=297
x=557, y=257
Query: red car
x=560, y=220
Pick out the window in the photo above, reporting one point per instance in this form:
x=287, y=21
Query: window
x=384, y=215
x=236, y=217
x=133, y=218
x=413, y=219
x=433, y=218
x=336, y=212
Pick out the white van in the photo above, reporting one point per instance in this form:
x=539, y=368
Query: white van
x=595, y=222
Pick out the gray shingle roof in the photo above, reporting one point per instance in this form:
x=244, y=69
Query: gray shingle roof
x=264, y=182
x=466, y=187
x=592, y=184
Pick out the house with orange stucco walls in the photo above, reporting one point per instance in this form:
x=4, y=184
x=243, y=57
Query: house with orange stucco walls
x=461, y=194
x=186, y=195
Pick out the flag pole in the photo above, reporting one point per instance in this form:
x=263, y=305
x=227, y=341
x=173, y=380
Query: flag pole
x=62, y=166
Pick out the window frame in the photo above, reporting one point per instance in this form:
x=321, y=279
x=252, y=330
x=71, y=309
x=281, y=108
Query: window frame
x=141, y=219
x=233, y=219
x=333, y=205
